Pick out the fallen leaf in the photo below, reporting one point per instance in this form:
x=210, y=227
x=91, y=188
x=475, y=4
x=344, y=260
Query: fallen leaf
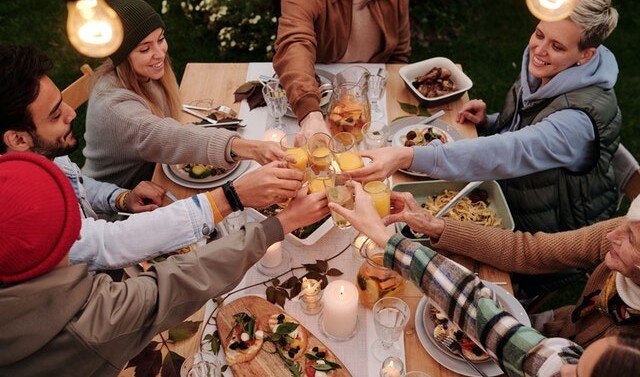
x=184, y=330
x=171, y=365
x=148, y=362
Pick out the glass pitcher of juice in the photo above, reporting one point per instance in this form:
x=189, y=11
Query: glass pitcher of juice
x=349, y=107
x=375, y=281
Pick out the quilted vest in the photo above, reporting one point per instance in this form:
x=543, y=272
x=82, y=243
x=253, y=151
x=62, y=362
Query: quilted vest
x=557, y=199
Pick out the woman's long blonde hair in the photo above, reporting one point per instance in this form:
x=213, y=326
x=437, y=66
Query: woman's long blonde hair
x=129, y=80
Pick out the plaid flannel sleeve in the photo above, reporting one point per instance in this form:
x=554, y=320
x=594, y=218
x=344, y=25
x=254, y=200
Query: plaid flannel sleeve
x=520, y=350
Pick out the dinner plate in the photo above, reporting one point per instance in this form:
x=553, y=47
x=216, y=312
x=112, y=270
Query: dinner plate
x=178, y=171
x=400, y=127
x=241, y=167
x=424, y=329
x=325, y=78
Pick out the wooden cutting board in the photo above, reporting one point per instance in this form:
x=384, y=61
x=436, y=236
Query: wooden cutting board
x=264, y=364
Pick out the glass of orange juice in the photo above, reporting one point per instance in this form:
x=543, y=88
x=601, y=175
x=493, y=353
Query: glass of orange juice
x=320, y=157
x=294, y=146
x=345, y=151
x=380, y=195
x=316, y=178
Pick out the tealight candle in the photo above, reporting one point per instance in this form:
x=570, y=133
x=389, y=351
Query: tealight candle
x=310, y=301
x=392, y=367
x=273, y=256
x=273, y=134
x=340, y=314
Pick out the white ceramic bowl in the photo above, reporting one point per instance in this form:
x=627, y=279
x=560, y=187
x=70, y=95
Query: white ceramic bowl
x=410, y=72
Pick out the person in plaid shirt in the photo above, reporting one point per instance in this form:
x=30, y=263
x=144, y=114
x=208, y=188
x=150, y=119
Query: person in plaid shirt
x=520, y=350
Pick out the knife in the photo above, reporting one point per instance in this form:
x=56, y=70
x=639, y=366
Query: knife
x=433, y=117
x=212, y=122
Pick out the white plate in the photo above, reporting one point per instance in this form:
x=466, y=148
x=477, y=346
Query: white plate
x=453, y=362
x=325, y=78
x=399, y=137
x=241, y=167
x=179, y=172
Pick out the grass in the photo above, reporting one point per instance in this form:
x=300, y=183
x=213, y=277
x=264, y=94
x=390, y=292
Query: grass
x=486, y=36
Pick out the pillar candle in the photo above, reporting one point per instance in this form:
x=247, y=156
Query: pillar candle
x=340, y=313
x=273, y=256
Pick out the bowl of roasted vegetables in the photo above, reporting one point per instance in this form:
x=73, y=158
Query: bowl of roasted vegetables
x=436, y=80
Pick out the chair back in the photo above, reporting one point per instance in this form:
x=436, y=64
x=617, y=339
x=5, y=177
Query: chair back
x=78, y=92
x=627, y=172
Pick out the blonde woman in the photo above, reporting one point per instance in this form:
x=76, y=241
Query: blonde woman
x=134, y=104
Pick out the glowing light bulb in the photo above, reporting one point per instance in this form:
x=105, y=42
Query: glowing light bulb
x=93, y=28
x=551, y=10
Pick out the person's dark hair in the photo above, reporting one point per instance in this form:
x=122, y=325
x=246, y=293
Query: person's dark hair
x=21, y=69
x=622, y=358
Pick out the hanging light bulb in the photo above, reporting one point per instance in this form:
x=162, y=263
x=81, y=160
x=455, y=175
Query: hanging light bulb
x=551, y=10
x=93, y=28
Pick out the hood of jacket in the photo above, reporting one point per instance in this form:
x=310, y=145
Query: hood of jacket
x=33, y=312
x=600, y=71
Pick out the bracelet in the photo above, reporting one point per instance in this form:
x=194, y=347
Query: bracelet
x=232, y=197
x=121, y=201
x=217, y=216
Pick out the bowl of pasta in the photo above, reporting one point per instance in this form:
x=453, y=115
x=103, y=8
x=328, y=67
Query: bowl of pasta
x=485, y=206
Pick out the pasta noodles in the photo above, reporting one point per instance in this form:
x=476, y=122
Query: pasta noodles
x=465, y=210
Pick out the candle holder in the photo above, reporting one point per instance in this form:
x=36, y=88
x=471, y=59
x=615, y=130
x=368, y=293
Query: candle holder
x=311, y=297
x=392, y=367
x=269, y=265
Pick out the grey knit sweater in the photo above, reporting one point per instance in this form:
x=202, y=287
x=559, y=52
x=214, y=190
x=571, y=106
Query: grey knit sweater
x=125, y=139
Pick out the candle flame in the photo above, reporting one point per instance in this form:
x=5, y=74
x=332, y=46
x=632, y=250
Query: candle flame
x=341, y=290
x=308, y=285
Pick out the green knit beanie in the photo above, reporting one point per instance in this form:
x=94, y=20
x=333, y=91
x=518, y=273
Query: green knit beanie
x=139, y=19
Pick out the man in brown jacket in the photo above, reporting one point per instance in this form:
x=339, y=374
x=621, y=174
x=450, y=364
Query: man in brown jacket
x=57, y=320
x=611, y=297
x=334, y=31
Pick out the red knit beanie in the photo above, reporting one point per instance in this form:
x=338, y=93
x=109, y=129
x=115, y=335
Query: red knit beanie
x=39, y=216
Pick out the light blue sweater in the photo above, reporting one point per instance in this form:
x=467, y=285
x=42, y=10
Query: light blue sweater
x=563, y=139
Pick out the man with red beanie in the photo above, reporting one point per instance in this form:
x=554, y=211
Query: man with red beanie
x=57, y=320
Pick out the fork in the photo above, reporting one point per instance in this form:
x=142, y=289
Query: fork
x=452, y=345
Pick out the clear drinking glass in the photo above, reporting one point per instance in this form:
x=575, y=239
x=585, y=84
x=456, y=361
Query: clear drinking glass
x=338, y=192
x=380, y=195
x=376, y=85
x=375, y=134
x=315, y=179
x=276, y=100
x=390, y=315
x=345, y=151
x=320, y=157
x=294, y=145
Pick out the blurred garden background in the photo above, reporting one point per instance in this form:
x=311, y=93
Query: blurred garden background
x=486, y=36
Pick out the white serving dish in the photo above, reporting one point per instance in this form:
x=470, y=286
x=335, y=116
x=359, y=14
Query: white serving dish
x=310, y=240
x=411, y=71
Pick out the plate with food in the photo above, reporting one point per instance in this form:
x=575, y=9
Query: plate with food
x=419, y=135
x=431, y=320
x=203, y=176
x=260, y=339
x=435, y=81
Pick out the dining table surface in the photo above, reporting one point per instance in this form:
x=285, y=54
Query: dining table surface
x=218, y=81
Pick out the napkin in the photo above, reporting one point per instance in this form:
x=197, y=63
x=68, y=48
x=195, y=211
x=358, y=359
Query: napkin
x=252, y=92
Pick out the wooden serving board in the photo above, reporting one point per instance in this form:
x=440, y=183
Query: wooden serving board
x=264, y=364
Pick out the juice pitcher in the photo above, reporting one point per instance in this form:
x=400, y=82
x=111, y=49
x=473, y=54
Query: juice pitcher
x=349, y=107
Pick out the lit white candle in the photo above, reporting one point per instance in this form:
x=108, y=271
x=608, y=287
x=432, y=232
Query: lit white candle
x=392, y=367
x=340, y=315
x=311, y=295
x=273, y=256
x=273, y=134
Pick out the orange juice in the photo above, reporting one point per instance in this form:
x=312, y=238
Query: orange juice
x=380, y=195
x=321, y=158
x=302, y=159
x=349, y=161
x=317, y=184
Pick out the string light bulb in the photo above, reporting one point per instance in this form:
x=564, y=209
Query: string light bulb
x=93, y=28
x=551, y=10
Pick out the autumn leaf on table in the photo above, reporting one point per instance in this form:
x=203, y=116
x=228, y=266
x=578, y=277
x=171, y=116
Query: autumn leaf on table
x=171, y=365
x=184, y=330
x=147, y=363
x=252, y=92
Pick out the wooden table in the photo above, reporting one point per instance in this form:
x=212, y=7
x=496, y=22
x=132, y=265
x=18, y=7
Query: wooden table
x=217, y=81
